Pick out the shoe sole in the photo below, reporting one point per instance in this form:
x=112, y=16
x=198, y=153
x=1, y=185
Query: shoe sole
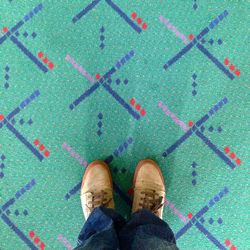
x=143, y=162
x=94, y=163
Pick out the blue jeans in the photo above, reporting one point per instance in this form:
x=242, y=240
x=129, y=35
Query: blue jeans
x=107, y=230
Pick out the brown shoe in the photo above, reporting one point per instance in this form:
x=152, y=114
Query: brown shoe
x=97, y=188
x=149, y=188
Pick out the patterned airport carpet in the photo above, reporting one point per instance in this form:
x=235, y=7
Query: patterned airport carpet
x=123, y=81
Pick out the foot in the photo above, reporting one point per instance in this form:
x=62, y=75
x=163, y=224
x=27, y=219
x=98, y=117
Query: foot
x=97, y=188
x=149, y=188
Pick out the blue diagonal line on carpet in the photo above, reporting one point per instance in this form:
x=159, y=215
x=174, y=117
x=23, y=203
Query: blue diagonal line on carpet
x=84, y=11
x=84, y=95
x=123, y=15
x=215, y=149
x=188, y=47
x=121, y=101
x=210, y=236
x=198, y=215
x=18, y=232
x=18, y=135
x=19, y=45
x=28, y=54
x=215, y=61
x=24, y=141
x=194, y=130
x=115, y=95
x=19, y=24
x=10, y=224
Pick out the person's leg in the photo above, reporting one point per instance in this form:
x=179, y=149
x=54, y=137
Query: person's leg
x=146, y=229
x=100, y=229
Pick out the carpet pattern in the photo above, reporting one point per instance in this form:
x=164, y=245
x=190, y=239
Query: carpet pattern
x=123, y=81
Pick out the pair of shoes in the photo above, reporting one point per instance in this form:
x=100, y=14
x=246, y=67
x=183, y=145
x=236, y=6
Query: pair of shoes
x=148, y=184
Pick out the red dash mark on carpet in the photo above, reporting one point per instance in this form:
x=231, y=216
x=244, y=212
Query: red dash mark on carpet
x=143, y=112
x=232, y=67
x=36, y=142
x=46, y=153
x=5, y=29
x=226, y=61
x=132, y=101
x=45, y=60
x=144, y=26
x=31, y=234
x=191, y=37
x=1, y=117
x=227, y=243
x=190, y=215
x=97, y=76
x=42, y=245
x=190, y=123
x=139, y=20
x=226, y=150
x=40, y=54
x=36, y=240
x=232, y=155
x=233, y=247
x=51, y=65
x=138, y=107
x=238, y=161
x=41, y=148
x=133, y=15
x=237, y=72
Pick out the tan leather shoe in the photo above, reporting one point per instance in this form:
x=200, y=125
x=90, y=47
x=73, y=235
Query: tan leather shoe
x=97, y=188
x=149, y=188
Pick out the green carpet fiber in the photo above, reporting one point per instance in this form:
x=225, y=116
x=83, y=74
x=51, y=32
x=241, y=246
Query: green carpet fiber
x=123, y=81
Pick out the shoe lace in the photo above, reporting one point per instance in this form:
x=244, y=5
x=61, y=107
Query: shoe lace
x=98, y=199
x=151, y=200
